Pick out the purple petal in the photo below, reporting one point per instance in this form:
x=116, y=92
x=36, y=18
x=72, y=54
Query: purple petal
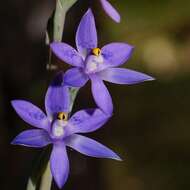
x=116, y=54
x=30, y=114
x=88, y=120
x=32, y=138
x=90, y=147
x=86, y=36
x=101, y=95
x=67, y=54
x=75, y=77
x=57, y=97
x=59, y=164
x=123, y=76
x=110, y=10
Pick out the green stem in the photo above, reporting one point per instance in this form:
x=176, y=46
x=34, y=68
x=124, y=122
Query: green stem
x=62, y=7
x=59, y=21
x=31, y=185
x=46, y=179
x=38, y=169
x=73, y=94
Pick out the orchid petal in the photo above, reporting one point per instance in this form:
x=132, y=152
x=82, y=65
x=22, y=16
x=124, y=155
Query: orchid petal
x=57, y=97
x=90, y=147
x=75, y=77
x=123, y=76
x=30, y=114
x=67, y=54
x=110, y=10
x=86, y=36
x=32, y=138
x=116, y=54
x=59, y=164
x=101, y=94
x=88, y=120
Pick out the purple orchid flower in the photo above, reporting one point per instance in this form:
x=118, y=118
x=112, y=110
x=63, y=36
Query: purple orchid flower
x=110, y=10
x=57, y=129
x=96, y=64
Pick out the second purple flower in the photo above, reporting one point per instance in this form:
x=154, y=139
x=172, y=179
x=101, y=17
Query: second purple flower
x=57, y=129
x=96, y=64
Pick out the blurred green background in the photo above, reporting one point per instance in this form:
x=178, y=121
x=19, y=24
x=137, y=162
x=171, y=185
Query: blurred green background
x=150, y=127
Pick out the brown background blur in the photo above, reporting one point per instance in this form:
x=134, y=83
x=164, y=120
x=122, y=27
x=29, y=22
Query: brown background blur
x=150, y=128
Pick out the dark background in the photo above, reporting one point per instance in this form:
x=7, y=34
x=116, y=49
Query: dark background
x=150, y=127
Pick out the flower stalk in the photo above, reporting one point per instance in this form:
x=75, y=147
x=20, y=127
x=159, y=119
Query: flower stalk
x=46, y=180
x=61, y=9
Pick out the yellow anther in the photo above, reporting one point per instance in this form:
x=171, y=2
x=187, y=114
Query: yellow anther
x=96, y=51
x=62, y=116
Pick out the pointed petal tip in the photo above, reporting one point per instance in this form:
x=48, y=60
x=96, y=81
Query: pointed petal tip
x=16, y=103
x=86, y=35
x=13, y=142
x=59, y=184
x=59, y=164
x=150, y=78
x=13, y=102
x=35, y=138
x=117, y=158
x=124, y=76
x=89, y=11
x=130, y=47
x=117, y=20
x=52, y=45
x=111, y=11
x=147, y=78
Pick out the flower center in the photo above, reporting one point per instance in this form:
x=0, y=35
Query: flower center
x=96, y=51
x=94, y=61
x=58, y=128
x=62, y=116
x=58, y=131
